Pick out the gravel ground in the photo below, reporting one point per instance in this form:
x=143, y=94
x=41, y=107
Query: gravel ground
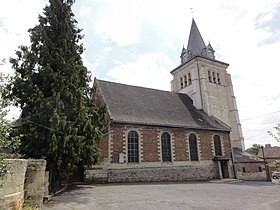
x=169, y=196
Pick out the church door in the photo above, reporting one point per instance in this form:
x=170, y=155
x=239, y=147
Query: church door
x=224, y=166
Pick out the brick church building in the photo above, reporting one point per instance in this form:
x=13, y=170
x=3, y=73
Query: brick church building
x=185, y=134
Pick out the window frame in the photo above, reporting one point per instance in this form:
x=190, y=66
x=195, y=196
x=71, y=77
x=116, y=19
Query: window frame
x=219, y=149
x=218, y=79
x=214, y=77
x=189, y=78
x=135, y=150
x=185, y=81
x=162, y=144
x=209, y=76
x=193, y=153
x=181, y=83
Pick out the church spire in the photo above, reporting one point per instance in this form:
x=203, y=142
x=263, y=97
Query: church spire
x=196, y=46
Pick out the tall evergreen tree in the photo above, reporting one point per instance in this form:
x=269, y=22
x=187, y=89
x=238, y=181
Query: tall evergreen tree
x=58, y=120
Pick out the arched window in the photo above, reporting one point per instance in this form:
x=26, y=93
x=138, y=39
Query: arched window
x=165, y=147
x=214, y=76
x=217, y=144
x=182, y=82
x=193, y=147
x=186, y=81
x=218, y=78
x=209, y=76
x=133, y=147
x=190, y=78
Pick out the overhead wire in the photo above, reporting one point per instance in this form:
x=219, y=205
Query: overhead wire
x=264, y=115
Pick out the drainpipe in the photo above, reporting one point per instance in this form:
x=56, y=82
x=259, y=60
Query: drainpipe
x=266, y=167
x=232, y=158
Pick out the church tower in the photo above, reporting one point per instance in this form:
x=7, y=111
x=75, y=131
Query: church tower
x=208, y=83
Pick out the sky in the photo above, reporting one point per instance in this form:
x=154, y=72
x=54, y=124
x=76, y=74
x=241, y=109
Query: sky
x=138, y=42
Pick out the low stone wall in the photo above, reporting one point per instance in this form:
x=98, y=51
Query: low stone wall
x=257, y=176
x=34, y=183
x=23, y=185
x=152, y=174
x=96, y=175
x=12, y=186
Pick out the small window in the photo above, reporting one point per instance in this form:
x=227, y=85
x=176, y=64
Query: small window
x=209, y=76
x=186, y=81
x=214, y=76
x=260, y=169
x=217, y=145
x=218, y=78
x=193, y=147
x=182, y=83
x=190, y=78
x=243, y=169
x=133, y=147
x=165, y=147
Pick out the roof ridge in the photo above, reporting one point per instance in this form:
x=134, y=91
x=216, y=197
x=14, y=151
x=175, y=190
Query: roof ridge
x=136, y=86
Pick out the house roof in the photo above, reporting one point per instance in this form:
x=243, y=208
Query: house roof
x=244, y=157
x=145, y=106
x=270, y=152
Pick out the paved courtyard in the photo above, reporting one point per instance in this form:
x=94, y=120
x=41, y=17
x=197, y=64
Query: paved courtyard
x=169, y=196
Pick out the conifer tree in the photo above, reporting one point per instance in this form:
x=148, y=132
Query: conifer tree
x=59, y=121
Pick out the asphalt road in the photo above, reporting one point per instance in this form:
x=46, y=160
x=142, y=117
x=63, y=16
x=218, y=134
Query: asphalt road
x=169, y=196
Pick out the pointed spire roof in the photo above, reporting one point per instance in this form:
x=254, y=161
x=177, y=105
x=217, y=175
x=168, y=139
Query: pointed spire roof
x=196, y=43
x=196, y=46
x=209, y=46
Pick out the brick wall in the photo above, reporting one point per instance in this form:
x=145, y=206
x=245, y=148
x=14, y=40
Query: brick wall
x=226, y=144
x=150, y=166
x=180, y=145
x=150, y=145
x=251, y=171
x=117, y=134
x=206, y=147
x=149, y=141
x=104, y=146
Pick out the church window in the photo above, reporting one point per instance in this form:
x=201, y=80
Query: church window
x=182, y=83
x=217, y=145
x=186, y=81
x=214, y=76
x=218, y=78
x=190, y=78
x=193, y=147
x=133, y=147
x=209, y=76
x=165, y=147
x=243, y=169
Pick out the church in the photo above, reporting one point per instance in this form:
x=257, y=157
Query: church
x=185, y=134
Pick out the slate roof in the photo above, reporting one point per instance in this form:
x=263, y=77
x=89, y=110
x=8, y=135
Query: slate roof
x=145, y=106
x=270, y=152
x=244, y=157
x=195, y=43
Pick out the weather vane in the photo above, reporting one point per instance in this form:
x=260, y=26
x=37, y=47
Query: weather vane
x=191, y=11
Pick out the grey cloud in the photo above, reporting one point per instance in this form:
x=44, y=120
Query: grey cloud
x=271, y=26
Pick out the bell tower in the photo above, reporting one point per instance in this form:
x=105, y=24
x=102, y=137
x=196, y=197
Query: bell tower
x=208, y=83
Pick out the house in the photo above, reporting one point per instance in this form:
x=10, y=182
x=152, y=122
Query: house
x=249, y=167
x=272, y=156
x=185, y=134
